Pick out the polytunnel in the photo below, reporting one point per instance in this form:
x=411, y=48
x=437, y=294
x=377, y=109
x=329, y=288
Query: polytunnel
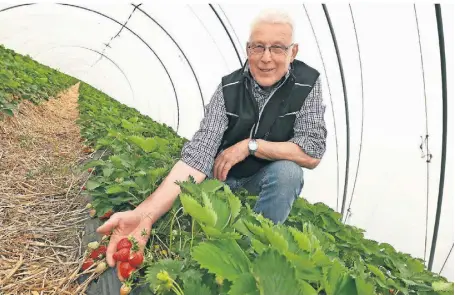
x=386, y=71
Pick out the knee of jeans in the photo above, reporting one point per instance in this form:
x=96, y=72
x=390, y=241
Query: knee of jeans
x=288, y=174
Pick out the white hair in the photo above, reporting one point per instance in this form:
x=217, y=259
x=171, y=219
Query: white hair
x=273, y=16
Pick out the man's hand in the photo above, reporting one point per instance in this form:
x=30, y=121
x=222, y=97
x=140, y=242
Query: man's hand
x=122, y=225
x=228, y=158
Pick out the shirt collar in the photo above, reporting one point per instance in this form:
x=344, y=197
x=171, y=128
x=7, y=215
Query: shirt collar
x=247, y=73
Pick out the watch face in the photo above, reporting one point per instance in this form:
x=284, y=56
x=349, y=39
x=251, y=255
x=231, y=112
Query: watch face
x=253, y=145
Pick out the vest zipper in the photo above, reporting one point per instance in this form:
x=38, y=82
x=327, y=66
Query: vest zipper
x=263, y=107
x=255, y=104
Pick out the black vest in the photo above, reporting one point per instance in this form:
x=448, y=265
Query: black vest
x=276, y=122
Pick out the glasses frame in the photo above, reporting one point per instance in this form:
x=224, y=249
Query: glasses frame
x=269, y=48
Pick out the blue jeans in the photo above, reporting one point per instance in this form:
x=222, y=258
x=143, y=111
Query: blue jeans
x=277, y=185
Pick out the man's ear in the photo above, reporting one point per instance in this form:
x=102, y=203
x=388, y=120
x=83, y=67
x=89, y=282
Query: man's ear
x=295, y=50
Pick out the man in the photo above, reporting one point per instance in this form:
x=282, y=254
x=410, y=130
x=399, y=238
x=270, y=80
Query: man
x=263, y=124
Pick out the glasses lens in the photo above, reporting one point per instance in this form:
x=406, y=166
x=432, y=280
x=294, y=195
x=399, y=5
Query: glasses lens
x=277, y=50
x=258, y=49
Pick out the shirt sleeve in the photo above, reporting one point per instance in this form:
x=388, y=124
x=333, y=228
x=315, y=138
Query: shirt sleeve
x=310, y=131
x=200, y=152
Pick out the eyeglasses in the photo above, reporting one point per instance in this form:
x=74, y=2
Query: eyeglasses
x=274, y=49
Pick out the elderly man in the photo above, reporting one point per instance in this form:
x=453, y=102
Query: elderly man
x=263, y=124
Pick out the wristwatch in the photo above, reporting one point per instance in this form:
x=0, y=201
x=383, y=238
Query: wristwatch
x=252, y=146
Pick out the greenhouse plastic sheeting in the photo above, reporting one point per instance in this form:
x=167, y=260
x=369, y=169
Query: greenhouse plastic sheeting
x=382, y=86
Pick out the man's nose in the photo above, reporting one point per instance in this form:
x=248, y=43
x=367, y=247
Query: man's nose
x=266, y=56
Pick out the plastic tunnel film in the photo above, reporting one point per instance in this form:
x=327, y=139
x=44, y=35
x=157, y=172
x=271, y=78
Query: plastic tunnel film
x=388, y=165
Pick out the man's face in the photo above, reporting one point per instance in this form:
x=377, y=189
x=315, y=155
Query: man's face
x=270, y=66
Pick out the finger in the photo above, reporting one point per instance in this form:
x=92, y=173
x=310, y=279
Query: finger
x=216, y=167
x=226, y=169
x=219, y=169
x=109, y=225
x=111, y=249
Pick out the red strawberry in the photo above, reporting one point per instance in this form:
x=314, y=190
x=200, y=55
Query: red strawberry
x=87, y=263
x=99, y=252
x=90, y=169
x=136, y=259
x=122, y=255
x=124, y=243
x=84, y=188
x=126, y=269
x=107, y=215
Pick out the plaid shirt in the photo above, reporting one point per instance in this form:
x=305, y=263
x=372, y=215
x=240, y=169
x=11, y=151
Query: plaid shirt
x=310, y=131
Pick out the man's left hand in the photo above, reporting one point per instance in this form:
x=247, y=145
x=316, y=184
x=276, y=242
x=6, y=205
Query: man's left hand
x=228, y=158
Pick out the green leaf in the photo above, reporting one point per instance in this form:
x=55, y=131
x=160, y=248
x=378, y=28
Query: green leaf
x=256, y=230
x=216, y=233
x=140, y=173
x=339, y=282
x=121, y=199
x=118, y=162
x=201, y=214
x=92, y=184
x=173, y=267
x=305, y=268
x=127, y=125
x=442, y=286
x=7, y=111
x=157, y=173
x=245, y=284
x=258, y=246
x=108, y=171
x=93, y=164
x=275, y=275
x=190, y=188
x=414, y=265
x=195, y=287
x=191, y=275
x=377, y=272
x=235, y=205
x=211, y=185
x=143, y=183
x=364, y=287
x=320, y=258
x=302, y=240
x=224, y=258
x=276, y=240
x=222, y=211
x=307, y=289
x=329, y=224
x=115, y=189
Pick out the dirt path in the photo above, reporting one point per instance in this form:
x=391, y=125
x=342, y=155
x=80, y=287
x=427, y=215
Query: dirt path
x=42, y=213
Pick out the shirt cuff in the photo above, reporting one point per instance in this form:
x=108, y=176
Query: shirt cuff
x=308, y=149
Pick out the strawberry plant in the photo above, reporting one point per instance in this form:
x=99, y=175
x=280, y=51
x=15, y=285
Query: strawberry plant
x=23, y=78
x=211, y=241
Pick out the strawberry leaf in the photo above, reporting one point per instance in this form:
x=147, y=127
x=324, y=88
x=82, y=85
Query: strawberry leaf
x=442, y=286
x=245, y=285
x=224, y=258
x=195, y=287
x=275, y=275
x=92, y=184
x=202, y=214
x=307, y=289
x=211, y=185
x=235, y=205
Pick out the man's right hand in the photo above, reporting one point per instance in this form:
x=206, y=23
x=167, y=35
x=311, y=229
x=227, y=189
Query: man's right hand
x=122, y=225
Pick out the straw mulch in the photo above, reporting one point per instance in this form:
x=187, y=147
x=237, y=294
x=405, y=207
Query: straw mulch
x=42, y=212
